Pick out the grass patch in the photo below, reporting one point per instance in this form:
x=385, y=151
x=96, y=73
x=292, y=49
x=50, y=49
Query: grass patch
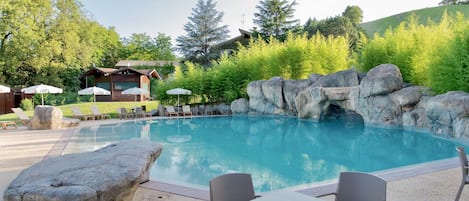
x=379, y=26
x=104, y=107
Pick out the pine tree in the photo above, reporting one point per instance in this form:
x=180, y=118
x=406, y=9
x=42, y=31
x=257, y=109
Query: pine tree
x=202, y=32
x=275, y=18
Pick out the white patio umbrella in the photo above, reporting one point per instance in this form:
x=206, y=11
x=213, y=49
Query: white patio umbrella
x=179, y=91
x=135, y=91
x=94, y=91
x=42, y=89
x=4, y=89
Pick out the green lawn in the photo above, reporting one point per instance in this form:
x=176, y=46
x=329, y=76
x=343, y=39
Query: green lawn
x=435, y=14
x=104, y=107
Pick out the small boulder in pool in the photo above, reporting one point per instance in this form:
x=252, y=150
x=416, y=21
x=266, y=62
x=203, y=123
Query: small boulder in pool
x=111, y=173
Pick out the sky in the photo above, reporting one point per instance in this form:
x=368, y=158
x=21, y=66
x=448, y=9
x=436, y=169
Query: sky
x=170, y=16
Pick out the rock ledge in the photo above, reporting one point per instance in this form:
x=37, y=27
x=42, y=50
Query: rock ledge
x=110, y=173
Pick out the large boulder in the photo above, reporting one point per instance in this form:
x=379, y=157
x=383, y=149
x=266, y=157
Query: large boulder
x=266, y=97
x=415, y=117
x=111, y=173
x=310, y=103
x=347, y=78
x=447, y=112
x=46, y=117
x=222, y=109
x=291, y=89
x=381, y=80
x=272, y=90
x=380, y=110
x=314, y=102
x=240, y=106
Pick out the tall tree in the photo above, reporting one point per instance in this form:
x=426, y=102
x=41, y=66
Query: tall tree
x=40, y=39
x=275, y=18
x=347, y=24
x=453, y=2
x=202, y=31
x=144, y=47
x=354, y=14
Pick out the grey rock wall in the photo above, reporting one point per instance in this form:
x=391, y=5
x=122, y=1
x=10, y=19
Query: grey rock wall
x=380, y=97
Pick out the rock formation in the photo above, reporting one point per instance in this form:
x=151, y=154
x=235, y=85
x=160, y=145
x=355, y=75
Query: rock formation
x=46, y=117
x=111, y=173
x=380, y=97
x=50, y=117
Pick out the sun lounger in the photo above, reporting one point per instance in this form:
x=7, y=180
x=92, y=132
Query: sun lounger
x=123, y=114
x=5, y=124
x=140, y=113
x=21, y=115
x=97, y=114
x=78, y=114
x=186, y=110
x=170, y=111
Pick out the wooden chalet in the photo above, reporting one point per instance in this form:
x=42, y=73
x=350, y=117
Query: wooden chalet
x=117, y=80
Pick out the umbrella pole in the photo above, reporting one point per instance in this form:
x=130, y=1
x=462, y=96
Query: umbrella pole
x=94, y=98
x=42, y=99
x=178, y=103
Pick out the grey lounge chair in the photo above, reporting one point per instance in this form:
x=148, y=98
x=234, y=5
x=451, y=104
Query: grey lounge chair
x=78, y=114
x=140, y=113
x=232, y=187
x=464, y=168
x=123, y=114
x=170, y=111
x=98, y=115
x=357, y=186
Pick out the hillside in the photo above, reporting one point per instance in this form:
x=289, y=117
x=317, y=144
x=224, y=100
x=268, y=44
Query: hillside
x=423, y=15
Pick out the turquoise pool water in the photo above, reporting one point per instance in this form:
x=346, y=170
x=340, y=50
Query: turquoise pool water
x=279, y=152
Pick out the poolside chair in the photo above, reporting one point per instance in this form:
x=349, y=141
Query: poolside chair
x=78, y=114
x=232, y=187
x=170, y=111
x=123, y=114
x=465, y=171
x=358, y=186
x=5, y=124
x=186, y=110
x=21, y=115
x=97, y=114
x=140, y=113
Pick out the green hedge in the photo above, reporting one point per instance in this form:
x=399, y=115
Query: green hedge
x=296, y=58
x=434, y=55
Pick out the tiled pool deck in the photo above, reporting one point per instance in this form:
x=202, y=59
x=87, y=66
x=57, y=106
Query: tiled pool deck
x=20, y=148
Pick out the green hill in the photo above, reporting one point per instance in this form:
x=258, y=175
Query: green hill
x=435, y=13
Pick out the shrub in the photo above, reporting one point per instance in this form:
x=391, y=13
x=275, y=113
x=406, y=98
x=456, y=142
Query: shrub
x=450, y=69
x=296, y=58
x=27, y=104
x=435, y=55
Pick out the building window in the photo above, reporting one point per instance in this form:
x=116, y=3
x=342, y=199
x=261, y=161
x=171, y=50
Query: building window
x=104, y=85
x=124, y=85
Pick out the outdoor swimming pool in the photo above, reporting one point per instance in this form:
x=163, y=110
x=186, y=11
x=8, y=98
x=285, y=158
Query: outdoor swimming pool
x=279, y=152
